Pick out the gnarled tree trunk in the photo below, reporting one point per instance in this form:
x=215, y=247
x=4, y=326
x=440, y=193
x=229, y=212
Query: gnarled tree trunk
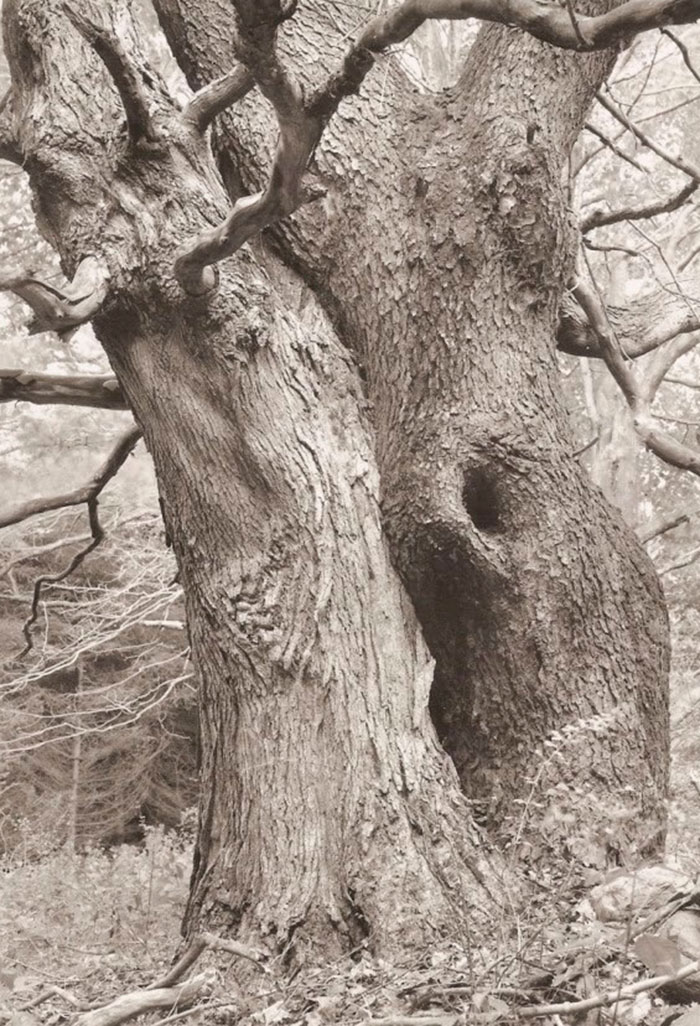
x=441, y=252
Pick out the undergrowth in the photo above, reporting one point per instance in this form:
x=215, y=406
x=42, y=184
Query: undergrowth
x=73, y=911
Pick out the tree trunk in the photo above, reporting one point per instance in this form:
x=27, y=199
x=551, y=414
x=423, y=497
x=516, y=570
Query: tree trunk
x=441, y=252
x=328, y=810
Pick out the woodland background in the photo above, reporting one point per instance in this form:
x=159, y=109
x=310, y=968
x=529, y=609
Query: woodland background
x=98, y=774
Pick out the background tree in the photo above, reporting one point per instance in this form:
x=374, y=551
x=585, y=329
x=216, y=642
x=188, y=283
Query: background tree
x=441, y=250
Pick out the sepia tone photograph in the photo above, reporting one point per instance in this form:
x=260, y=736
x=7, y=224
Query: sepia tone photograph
x=349, y=512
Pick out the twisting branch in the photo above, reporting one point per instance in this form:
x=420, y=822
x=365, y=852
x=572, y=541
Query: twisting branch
x=598, y=218
x=62, y=309
x=88, y=494
x=215, y=97
x=122, y=72
x=299, y=133
x=559, y=25
x=101, y=391
x=96, y=536
x=85, y=492
x=302, y=121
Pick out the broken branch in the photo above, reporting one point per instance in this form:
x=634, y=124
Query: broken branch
x=62, y=309
x=101, y=391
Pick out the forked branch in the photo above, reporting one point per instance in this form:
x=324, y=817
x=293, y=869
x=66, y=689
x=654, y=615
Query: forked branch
x=663, y=445
x=299, y=133
x=82, y=494
x=62, y=309
x=122, y=72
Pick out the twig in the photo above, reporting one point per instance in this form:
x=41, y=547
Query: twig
x=657, y=529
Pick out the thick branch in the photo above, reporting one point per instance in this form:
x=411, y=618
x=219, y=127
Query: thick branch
x=62, y=309
x=85, y=493
x=214, y=98
x=122, y=72
x=598, y=218
x=101, y=391
x=640, y=328
x=552, y=23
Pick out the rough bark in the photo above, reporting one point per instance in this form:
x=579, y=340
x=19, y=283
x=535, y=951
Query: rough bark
x=328, y=810
x=442, y=252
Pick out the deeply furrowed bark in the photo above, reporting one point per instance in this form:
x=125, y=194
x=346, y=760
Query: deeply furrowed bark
x=329, y=812
x=442, y=251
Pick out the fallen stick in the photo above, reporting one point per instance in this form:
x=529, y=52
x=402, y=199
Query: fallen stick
x=139, y=1001
x=610, y=997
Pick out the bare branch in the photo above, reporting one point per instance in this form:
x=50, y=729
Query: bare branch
x=664, y=358
x=101, y=391
x=96, y=536
x=598, y=218
x=62, y=309
x=610, y=144
x=690, y=557
x=682, y=381
x=691, y=170
x=122, y=72
x=558, y=25
x=685, y=53
x=214, y=98
x=663, y=445
x=656, y=529
x=85, y=492
x=199, y=944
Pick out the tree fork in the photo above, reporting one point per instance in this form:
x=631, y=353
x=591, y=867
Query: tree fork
x=443, y=255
